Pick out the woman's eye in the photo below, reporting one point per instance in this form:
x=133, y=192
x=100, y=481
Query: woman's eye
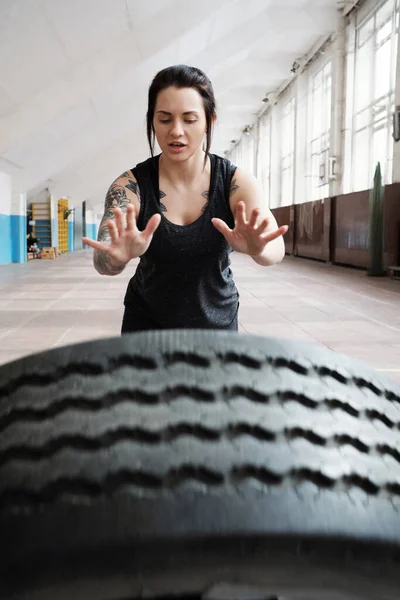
x=186, y=120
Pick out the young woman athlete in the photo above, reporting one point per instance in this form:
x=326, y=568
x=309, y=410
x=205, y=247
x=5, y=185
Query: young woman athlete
x=182, y=212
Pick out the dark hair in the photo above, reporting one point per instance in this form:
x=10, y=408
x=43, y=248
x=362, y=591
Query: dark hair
x=181, y=76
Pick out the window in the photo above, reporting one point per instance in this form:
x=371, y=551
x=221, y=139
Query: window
x=319, y=127
x=243, y=154
x=288, y=151
x=374, y=84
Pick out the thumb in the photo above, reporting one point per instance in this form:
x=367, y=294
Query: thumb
x=273, y=235
x=222, y=227
x=152, y=225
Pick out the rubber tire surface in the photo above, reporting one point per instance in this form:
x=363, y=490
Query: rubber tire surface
x=164, y=462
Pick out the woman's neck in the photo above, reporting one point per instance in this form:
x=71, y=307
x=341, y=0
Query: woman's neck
x=183, y=173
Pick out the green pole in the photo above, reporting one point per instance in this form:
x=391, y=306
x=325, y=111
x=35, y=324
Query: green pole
x=375, y=267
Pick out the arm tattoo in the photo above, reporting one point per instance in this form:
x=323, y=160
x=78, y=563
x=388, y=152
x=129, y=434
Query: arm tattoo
x=103, y=264
x=103, y=235
x=233, y=188
x=116, y=197
x=133, y=187
x=101, y=260
x=162, y=205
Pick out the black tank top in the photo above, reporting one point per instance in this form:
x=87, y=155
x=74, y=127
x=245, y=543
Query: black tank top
x=184, y=279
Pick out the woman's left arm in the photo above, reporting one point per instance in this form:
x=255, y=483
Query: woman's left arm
x=256, y=232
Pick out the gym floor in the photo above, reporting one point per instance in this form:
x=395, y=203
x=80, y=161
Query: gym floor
x=50, y=303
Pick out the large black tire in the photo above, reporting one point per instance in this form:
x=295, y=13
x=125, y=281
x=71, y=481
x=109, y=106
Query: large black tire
x=171, y=462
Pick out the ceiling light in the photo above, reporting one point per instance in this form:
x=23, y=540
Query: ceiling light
x=295, y=67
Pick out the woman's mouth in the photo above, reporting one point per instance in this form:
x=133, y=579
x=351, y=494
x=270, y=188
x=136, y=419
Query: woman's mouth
x=176, y=146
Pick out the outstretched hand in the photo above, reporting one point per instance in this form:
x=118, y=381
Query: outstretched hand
x=249, y=236
x=127, y=242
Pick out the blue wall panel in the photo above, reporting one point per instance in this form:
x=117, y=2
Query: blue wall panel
x=12, y=239
x=18, y=238
x=5, y=240
x=91, y=231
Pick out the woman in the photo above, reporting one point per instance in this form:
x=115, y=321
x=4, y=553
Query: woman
x=182, y=212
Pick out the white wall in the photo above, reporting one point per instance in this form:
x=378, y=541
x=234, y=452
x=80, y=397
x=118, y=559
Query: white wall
x=18, y=202
x=91, y=217
x=5, y=194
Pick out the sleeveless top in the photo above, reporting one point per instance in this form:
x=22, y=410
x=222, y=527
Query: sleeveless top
x=184, y=278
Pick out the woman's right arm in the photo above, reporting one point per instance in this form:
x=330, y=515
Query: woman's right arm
x=119, y=240
x=122, y=192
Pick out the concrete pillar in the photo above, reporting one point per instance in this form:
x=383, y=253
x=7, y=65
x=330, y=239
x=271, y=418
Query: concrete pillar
x=18, y=226
x=338, y=116
x=257, y=149
x=346, y=164
x=54, y=220
x=276, y=143
x=301, y=187
x=78, y=226
x=12, y=222
x=396, y=149
x=5, y=218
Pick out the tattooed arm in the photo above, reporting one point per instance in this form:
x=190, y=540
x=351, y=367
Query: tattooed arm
x=123, y=191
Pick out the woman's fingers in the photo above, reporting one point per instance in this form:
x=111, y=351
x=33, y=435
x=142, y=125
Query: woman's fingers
x=113, y=231
x=263, y=226
x=254, y=218
x=130, y=217
x=96, y=245
x=240, y=214
x=120, y=221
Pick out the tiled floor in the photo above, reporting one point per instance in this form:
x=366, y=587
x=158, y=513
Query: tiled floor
x=44, y=304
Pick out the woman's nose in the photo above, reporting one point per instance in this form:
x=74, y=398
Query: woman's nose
x=177, y=129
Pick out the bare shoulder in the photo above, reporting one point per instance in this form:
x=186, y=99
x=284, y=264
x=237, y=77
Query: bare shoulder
x=245, y=188
x=124, y=190
x=244, y=179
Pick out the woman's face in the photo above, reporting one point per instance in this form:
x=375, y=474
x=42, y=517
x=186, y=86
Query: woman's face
x=179, y=122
